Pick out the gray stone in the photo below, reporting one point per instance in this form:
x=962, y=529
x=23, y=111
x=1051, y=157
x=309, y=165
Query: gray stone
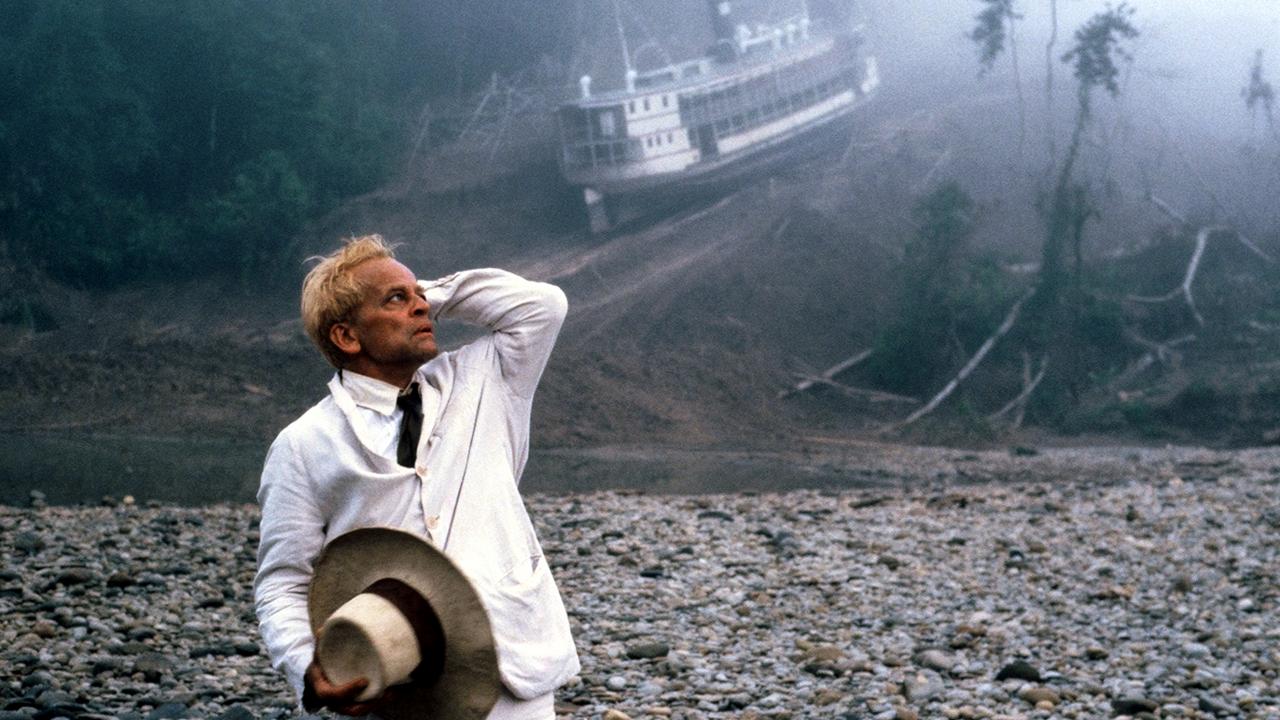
x=1196, y=650
x=221, y=649
x=28, y=542
x=1019, y=670
x=168, y=711
x=648, y=651
x=74, y=576
x=51, y=698
x=153, y=666
x=1133, y=706
x=923, y=685
x=935, y=659
x=247, y=648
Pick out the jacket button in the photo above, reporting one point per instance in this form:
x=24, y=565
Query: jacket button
x=433, y=522
x=421, y=470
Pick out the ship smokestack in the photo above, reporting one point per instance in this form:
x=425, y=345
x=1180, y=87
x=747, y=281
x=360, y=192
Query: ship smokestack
x=723, y=25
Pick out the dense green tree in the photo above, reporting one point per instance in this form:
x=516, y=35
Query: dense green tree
x=1062, y=313
x=948, y=298
x=141, y=137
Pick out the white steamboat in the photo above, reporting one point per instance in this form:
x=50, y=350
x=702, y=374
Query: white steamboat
x=760, y=95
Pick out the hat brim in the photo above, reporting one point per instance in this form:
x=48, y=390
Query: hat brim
x=469, y=684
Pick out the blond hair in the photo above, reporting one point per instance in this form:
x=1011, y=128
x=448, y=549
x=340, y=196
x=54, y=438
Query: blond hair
x=331, y=292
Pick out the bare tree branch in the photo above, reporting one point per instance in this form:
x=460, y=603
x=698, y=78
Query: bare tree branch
x=941, y=162
x=969, y=367
x=827, y=374
x=1162, y=351
x=1029, y=385
x=862, y=393
x=1167, y=209
x=1193, y=267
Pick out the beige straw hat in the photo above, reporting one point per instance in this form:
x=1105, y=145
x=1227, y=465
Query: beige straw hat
x=366, y=632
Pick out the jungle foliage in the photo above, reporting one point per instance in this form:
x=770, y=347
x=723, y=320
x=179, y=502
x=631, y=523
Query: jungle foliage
x=185, y=137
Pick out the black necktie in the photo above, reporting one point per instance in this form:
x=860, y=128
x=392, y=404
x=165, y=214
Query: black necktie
x=410, y=426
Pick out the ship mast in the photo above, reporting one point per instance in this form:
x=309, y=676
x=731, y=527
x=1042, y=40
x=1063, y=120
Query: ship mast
x=626, y=52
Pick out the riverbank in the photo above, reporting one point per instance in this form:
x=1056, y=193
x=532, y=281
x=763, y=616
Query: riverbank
x=1150, y=587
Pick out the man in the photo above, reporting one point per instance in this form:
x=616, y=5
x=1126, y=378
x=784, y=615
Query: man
x=428, y=442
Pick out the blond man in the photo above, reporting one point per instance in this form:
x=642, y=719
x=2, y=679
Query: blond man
x=433, y=443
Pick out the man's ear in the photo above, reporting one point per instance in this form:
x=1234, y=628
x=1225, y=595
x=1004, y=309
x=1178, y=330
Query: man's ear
x=346, y=339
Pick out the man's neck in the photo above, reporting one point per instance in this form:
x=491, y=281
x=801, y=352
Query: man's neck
x=400, y=377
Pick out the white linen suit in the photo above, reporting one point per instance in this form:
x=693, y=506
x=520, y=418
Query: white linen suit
x=324, y=475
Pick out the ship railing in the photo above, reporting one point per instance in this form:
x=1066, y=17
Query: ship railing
x=774, y=94
x=675, y=72
x=775, y=36
x=591, y=155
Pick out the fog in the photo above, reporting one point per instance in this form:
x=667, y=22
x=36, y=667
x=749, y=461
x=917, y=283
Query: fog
x=1189, y=63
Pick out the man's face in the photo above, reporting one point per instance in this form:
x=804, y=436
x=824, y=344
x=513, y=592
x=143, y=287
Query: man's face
x=392, y=325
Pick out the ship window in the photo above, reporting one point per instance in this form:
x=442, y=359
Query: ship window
x=646, y=104
x=608, y=127
x=648, y=142
x=666, y=101
x=669, y=140
x=632, y=107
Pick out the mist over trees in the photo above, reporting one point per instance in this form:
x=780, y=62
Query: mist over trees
x=186, y=138
x=1057, y=233
x=1140, y=224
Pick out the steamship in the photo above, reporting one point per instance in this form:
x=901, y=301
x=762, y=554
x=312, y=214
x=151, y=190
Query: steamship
x=762, y=93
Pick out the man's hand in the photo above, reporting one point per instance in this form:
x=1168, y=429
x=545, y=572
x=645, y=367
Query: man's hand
x=318, y=693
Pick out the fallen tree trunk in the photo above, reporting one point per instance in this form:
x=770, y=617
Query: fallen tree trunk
x=828, y=374
x=1193, y=266
x=863, y=393
x=1029, y=385
x=974, y=362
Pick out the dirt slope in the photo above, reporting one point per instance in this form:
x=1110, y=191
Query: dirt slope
x=683, y=327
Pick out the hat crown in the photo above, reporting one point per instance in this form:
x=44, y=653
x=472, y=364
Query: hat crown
x=368, y=637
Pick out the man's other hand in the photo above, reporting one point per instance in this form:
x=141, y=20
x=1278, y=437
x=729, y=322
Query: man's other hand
x=318, y=693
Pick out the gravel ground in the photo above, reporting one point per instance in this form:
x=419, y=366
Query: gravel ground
x=1147, y=590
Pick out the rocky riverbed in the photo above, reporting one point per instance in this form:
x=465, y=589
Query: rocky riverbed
x=1025, y=587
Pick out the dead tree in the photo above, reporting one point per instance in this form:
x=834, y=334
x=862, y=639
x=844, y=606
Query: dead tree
x=1203, y=235
x=1009, y=319
x=1029, y=385
x=993, y=32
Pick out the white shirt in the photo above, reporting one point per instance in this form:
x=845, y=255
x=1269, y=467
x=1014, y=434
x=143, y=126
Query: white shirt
x=334, y=470
x=376, y=405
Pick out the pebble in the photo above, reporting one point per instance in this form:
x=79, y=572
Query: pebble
x=1077, y=593
x=1019, y=670
x=923, y=685
x=648, y=651
x=1038, y=695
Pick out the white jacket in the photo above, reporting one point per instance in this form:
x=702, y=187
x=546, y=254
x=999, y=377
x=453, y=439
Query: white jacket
x=322, y=478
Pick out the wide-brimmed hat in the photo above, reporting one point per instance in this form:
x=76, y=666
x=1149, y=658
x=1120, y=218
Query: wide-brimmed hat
x=364, y=631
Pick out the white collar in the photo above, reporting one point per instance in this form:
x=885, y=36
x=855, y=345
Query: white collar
x=372, y=393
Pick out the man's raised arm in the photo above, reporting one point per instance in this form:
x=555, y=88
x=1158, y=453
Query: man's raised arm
x=525, y=317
